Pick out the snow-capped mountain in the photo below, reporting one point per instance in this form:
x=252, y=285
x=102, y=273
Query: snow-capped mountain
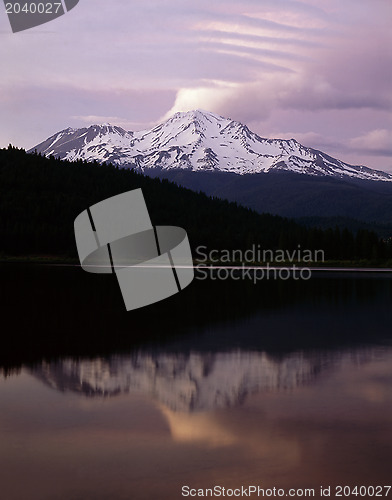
x=198, y=141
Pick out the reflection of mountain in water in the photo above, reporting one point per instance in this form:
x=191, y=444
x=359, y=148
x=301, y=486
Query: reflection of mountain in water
x=191, y=382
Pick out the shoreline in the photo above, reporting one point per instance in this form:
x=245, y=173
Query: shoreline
x=328, y=266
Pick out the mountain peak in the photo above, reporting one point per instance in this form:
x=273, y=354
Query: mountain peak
x=199, y=119
x=198, y=114
x=199, y=140
x=107, y=128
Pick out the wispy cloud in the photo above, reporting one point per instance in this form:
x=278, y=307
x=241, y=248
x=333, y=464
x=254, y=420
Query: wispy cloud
x=377, y=142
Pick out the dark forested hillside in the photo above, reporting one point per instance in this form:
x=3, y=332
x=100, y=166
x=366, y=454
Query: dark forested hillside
x=289, y=194
x=40, y=198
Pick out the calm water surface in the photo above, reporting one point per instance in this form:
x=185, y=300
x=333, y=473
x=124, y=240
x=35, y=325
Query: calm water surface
x=285, y=385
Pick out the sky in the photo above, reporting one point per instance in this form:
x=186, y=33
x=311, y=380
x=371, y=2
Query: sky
x=319, y=71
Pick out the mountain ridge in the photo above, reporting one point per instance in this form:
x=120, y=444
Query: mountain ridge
x=199, y=141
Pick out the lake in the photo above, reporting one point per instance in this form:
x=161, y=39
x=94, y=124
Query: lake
x=228, y=385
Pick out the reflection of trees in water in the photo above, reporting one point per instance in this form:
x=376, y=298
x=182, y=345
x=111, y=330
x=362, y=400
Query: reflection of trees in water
x=57, y=312
x=9, y=372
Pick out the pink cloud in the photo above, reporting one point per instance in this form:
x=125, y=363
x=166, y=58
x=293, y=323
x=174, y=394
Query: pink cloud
x=377, y=142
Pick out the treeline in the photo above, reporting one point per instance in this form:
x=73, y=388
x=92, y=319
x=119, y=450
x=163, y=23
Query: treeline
x=40, y=198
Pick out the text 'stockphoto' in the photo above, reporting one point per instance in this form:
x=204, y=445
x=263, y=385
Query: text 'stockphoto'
x=195, y=249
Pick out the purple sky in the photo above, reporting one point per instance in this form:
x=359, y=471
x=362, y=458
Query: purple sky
x=316, y=70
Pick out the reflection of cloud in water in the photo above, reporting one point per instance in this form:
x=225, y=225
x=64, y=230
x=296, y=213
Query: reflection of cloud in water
x=195, y=381
x=258, y=438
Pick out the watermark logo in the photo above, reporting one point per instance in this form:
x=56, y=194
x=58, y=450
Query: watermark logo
x=150, y=263
x=256, y=264
x=26, y=14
